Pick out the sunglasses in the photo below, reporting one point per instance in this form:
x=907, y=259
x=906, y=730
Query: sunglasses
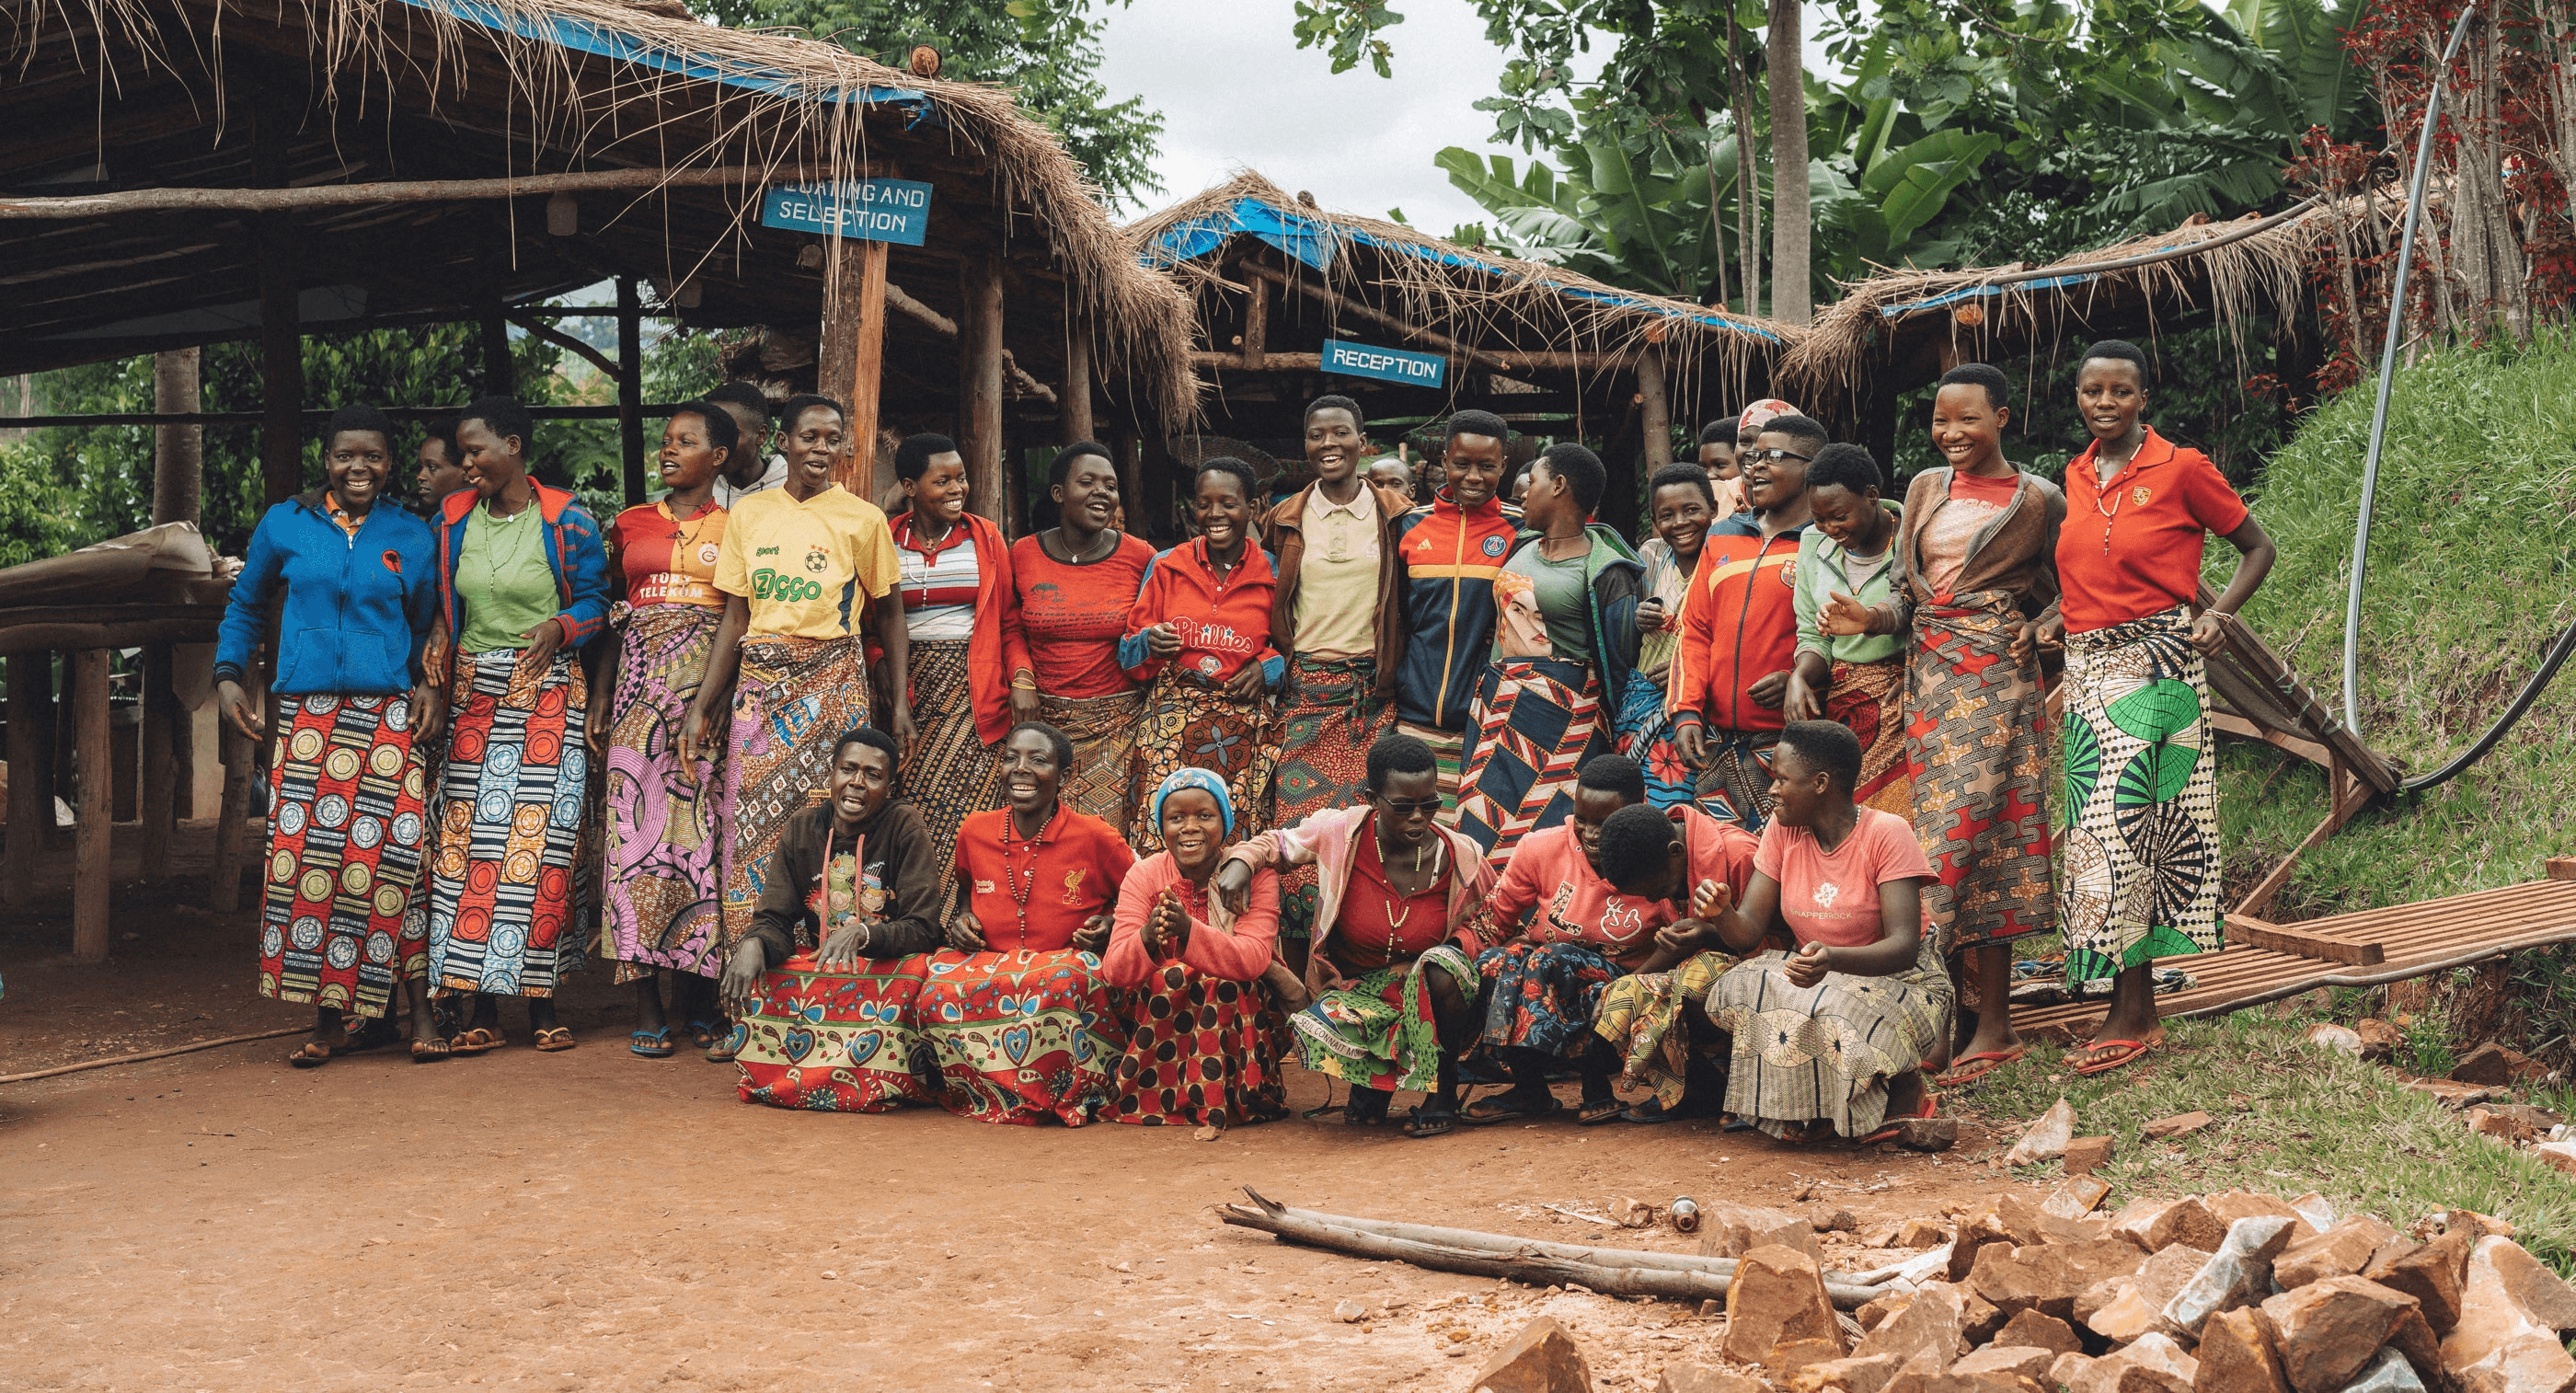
x=1773, y=456
x=1403, y=809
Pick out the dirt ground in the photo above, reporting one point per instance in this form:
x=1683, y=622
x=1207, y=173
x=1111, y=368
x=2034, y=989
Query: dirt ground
x=217, y=1220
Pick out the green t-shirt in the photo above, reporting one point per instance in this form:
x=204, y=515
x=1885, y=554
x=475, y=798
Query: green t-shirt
x=1564, y=602
x=503, y=578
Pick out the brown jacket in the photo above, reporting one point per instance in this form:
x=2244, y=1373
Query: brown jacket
x=2016, y=551
x=1283, y=531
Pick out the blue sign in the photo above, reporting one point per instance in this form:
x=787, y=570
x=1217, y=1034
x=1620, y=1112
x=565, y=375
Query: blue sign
x=1384, y=364
x=872, y=210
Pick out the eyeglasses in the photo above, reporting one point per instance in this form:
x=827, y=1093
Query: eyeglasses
x=1402, y=809
x=1773, y=456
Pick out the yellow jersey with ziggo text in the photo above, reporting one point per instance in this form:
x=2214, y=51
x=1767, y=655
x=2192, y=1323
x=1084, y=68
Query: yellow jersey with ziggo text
x=807, y=565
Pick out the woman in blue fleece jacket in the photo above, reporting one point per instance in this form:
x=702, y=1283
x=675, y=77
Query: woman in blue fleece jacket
x=345, y=818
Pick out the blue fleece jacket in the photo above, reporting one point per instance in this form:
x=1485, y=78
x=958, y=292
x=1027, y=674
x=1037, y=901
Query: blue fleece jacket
x=357, y=608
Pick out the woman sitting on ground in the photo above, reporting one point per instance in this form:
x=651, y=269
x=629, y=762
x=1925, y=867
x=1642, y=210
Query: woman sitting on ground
x=824, y=979
x=1841, y=1029
x=1205, y=1040
x=1398, y=904
x=1018, y=1017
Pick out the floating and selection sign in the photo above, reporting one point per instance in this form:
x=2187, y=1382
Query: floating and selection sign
x=872, y=210
x=1384, y=364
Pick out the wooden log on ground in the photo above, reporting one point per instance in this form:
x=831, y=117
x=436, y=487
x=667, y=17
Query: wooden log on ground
x=1502, y=1242
x=96, y=814
x=31, y=768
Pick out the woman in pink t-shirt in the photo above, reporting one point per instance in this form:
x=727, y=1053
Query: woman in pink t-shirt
x=1838, y=1031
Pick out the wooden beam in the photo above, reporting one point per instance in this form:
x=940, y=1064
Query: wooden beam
x=1519, y=364
x=608, y=367
x=1657, y=408
x=2309, y=750
x=849, y=359
x=1073, y=406
x=281, y=347
x=178, y=452
x=628, y=373
x=2256, y=933
x=96, y=814
x=979, y=383
x=282, y=200
x=31, y=784
x=2555, y=868
x=1256, y=323
x=651, y=410
x=897, y=298
x=2346, y=795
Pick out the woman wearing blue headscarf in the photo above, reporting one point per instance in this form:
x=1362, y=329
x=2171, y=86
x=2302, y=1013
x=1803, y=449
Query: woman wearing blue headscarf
x=1205, y=1036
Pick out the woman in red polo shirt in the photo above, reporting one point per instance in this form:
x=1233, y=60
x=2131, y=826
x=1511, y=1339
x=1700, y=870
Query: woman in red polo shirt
x=2139, y=830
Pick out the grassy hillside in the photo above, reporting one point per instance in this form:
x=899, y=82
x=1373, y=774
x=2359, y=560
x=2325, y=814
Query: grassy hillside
x=2472, y=572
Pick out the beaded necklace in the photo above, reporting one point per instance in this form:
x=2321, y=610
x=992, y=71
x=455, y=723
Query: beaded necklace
x=1019, y=886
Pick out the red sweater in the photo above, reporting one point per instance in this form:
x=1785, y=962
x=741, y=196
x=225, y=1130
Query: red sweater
x=1222, y=625
x=990, y=659
x=1739, y=623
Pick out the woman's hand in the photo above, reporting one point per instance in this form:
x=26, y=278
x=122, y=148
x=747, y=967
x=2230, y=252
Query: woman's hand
x=1711, y=900
x=2209, y=632
x=1650, y=616
x=594, y=728
x=701, y=732
x=1809, y=965
x=966, y=932
x=1231, y=886
x=843, y=947
x=1167, y=928
x=1093, y=936
x=1692, y=740
x=2045, y=636
x=739, y=988
x=902, y=728
x=1246, y=683
x=1163, y=642
x=428, y=713
x=1802, y=704
x=1845, y=617
x=239, y=710
x=1769, y=689
x=543, y=640
x=1024, y=699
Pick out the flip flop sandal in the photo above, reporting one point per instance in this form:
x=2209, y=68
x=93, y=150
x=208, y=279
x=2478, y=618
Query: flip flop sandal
x=2133, y=1051
x=374, y=1035
x=431, y=1050
x=723, y=1051
x=1959, y=1072
x=1501, y=1108
x=312, y=1054
x=1650, y=1112
x=1931, y=1108
x=704, y=1034
x=1430, y=1121
x=555, y=1038
x=1596, y=1111
x=481, y=1039
x=651, y=1044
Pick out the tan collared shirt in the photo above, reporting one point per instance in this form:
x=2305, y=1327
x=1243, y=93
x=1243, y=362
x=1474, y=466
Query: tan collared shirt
x=1337, y=579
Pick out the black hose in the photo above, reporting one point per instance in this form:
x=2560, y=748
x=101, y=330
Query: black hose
x=2521, y=703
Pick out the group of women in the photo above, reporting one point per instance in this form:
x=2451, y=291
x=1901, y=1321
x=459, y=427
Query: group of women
x=1070, y=828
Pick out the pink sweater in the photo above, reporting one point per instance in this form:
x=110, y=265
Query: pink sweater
x=1237, y=950
x=1548, y=873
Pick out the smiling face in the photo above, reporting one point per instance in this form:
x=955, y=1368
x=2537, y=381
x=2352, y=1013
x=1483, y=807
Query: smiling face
x=1334, y=444
x=2110, y=395
x=440, y=473
x=1223, y=512
x=812, y=445
x=1405, y=808
x=1799, y=791
x=1472, y=469
x=1853, y=520
x=1031, y=774
x=1719, y=460
x=940, y=492
x=1682, y=516
x=1087, y=500
x=1592, y=807
x=1194, y=829
x=492, y=462
x=1967, y=426
x=358, y=463
x=862, y=781
x=1775, y=483
x=690, y=457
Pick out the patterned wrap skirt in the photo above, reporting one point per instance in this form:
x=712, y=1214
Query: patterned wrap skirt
x=1201, y=1052
x=1534, y=722
x=1379, y=1032
x=1826, y=1051
x=1329, y=720
x=1869, y=699
x=1019, y=1036
x=503, y=915
x=1736, y=786
x=1641, y=1018
x=1103, y=732
x=1644, y=733
x=345, y=826
x=837, y=1042
x=1187, y=725
x=793, y=698
x=662, y=836
x=1980, y=771
x=2140, y=878
x=950, y=773
x=1541, y=996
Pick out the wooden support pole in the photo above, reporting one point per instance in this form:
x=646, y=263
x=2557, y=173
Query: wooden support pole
x=849, y=363
x=178, y=494
x=157, y=807
x=979, y=382
x=500, y=375
x=1073, y=410
x=178, y=452
x=1256, y=324
x=630, y=388
x=1657, y=406
x=96, y=814
x=232, y=822
x=281, y=346
x=31, y=784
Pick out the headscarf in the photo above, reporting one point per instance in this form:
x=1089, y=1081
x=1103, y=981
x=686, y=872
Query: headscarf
x=1191, y=776
x=1750, y=423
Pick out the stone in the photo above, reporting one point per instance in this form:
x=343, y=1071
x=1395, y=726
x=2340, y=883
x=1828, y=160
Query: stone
x=2329, y=1329
x=1732, y=1230
x=2174, y=1126
x=1350, y=1312
x=2449, y=1094
x=2076, y=1198
x=2429, y=1272
x=2380, y=1041
x=1541, y=1359
x=2090, y=1301
x=2316, y=1209
x=1927, y=1133
x=2550, y=1302
x=2476, y=1225
x=1787, y=1358
x=2422, y=1349
x=2153, y=1364
x=1975, y=1232
x=2047, y=1138
x=1848, y=1375
x=2236, y=1355
x=2233, y=1205
x=2068, y=1369
x=1980, y=1318
x=2156, y=1224
x=1879, y=1310
x=2029, y=1361
x=1632, y=1213
x=1700, y=1378
x=2387, y=1372
x=2238, y=1274
x=2042, y=1331
x=2497, y=1333
x=2085, y=1155
x=2529, y=1363
x=2048, y=1277
x=2491, y=1120
x=1832, y=1218
x=1776, y=1299
x=2557, y=1155
x=1934, y=1320
x=1920, y=1233
x=2343, y=1040
x=2492, y=1064
x=2340, y=1251
x=2138, y=1309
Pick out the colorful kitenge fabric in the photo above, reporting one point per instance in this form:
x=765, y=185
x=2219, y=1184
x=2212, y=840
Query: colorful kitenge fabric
x=502, y=896
x=1736, y=786
x=661, y=835
x=2141, y=810
x=1533, y=724
x=1644, y=733
x=1448, y=750
x=838, y=1041
x=1020, y=1036
x=344, y=848
x=1328, y=721
x=1825, y=1051
x=1869, y=698
x=1379, y=1032
x=793, y=698
x=1103, y=732
x=1541, y=996
x=1972, y=734
x=1190, y=726
x=1202, y=1051
x=1641, y=1017
x=949, y=773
